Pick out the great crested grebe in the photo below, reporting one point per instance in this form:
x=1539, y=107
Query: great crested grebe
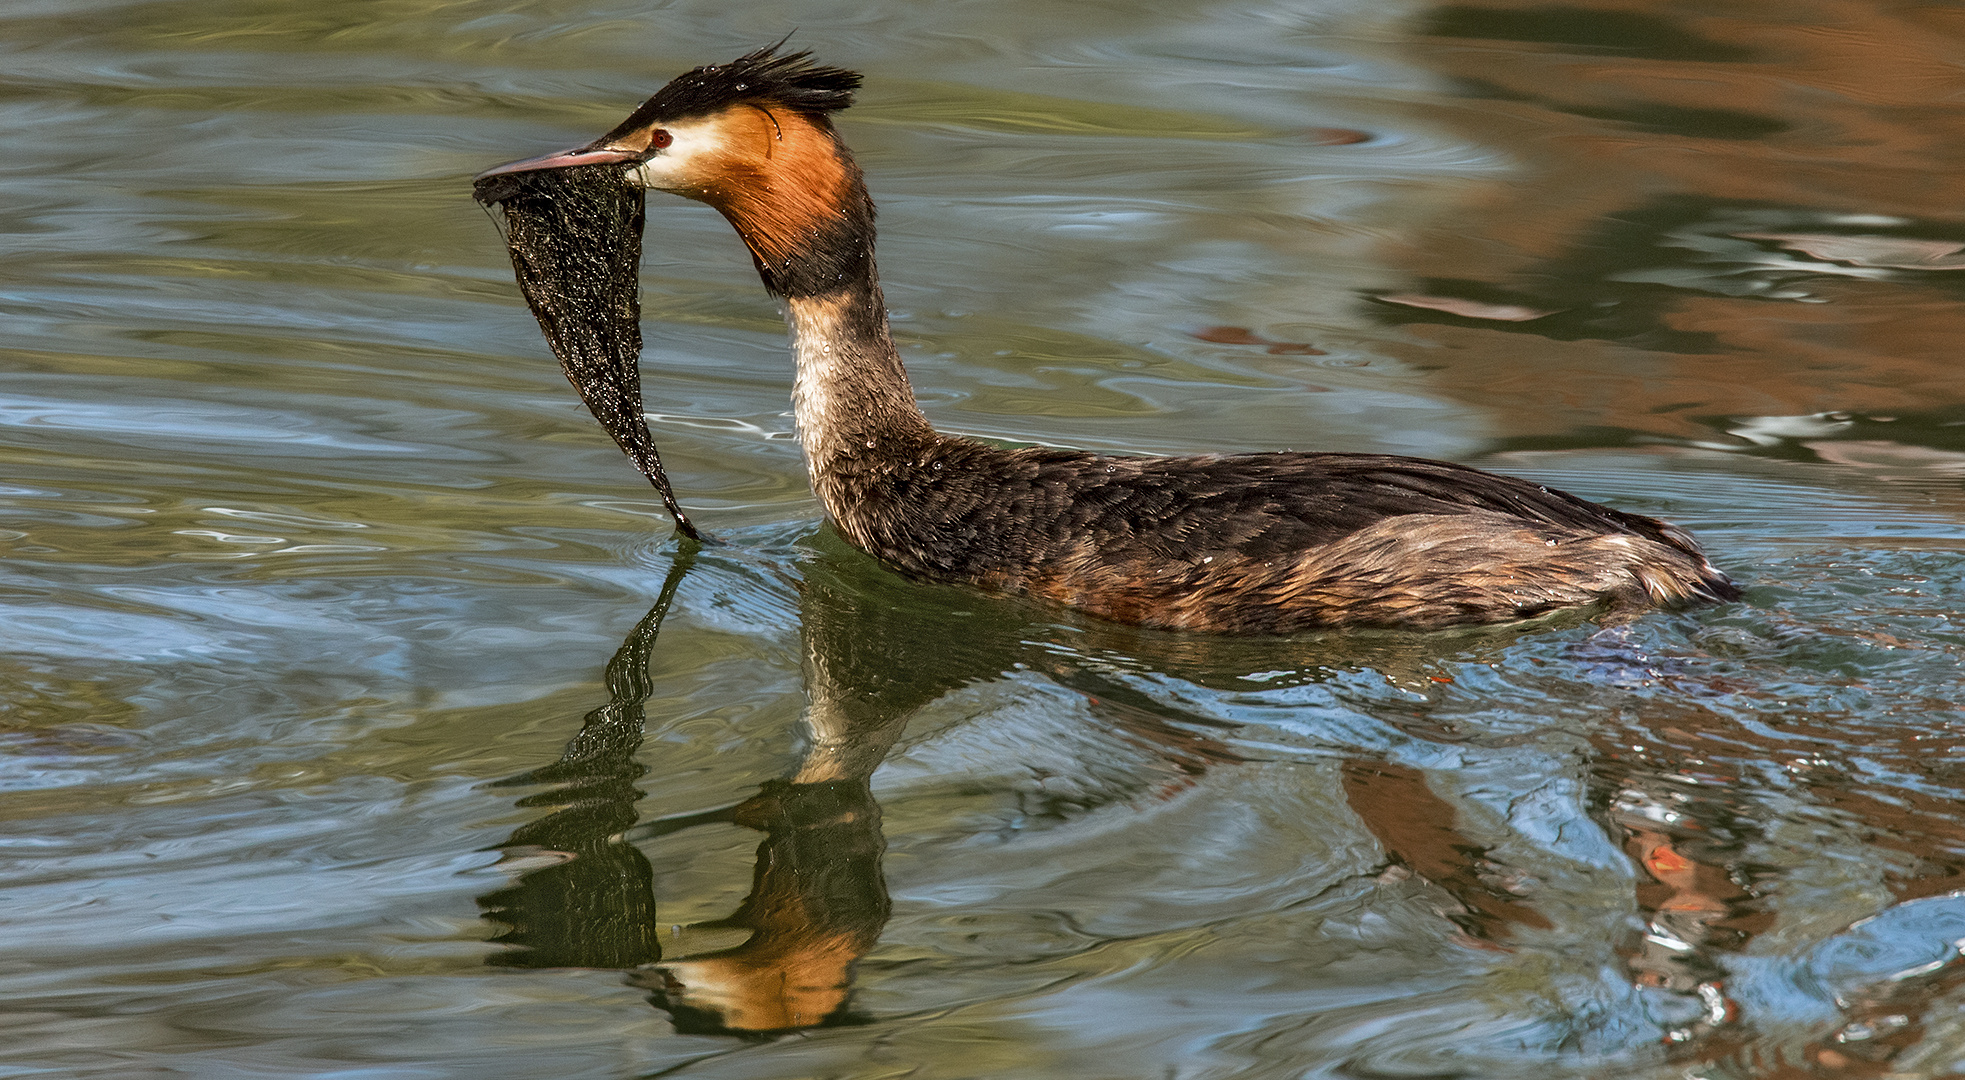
x=1243, y=543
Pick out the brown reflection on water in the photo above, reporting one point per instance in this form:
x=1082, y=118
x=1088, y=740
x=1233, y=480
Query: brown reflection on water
x=1680, y=789
x=1694, y=892
x=1672, y=804
x=1420, y=833
x=817, y=904
x=1672, y=799
x=1645, y=137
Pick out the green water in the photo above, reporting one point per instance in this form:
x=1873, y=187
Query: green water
x=360, y=717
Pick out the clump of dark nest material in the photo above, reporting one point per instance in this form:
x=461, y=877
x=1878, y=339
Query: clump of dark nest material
x=575, y=238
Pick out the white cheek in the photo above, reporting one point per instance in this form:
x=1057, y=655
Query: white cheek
x=684, y=163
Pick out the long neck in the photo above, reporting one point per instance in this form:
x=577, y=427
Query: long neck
x=857, y=418
x=852, y=399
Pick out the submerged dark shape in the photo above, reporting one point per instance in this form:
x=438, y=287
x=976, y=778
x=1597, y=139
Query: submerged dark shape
x=575, y=239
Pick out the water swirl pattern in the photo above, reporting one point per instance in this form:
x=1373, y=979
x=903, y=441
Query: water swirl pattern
x=359, y=716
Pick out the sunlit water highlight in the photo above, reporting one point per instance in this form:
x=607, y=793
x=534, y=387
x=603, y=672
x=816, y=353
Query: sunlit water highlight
x=349, y=729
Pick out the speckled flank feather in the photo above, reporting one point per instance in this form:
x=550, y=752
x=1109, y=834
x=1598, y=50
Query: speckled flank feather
x=1260, y=543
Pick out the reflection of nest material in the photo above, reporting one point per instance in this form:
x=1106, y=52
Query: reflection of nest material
x=817, y=904
x=585, y=897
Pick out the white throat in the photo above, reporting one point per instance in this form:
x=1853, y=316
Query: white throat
x=821, y=348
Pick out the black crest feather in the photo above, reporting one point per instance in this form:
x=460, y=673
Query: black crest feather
x=762, y=78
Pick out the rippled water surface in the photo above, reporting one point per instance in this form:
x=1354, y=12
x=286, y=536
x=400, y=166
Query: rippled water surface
x=359, y=715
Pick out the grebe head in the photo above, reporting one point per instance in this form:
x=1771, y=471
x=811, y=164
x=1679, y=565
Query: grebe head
x=754, y=139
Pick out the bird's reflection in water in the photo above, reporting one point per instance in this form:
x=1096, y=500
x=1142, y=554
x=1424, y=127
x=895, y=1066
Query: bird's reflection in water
x=584, y=898
x=877, y=650
x=582, y=895
x=874, y=653
x=816, y=905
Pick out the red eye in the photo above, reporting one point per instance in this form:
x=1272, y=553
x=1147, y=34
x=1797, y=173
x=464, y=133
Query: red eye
x=660, y=140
